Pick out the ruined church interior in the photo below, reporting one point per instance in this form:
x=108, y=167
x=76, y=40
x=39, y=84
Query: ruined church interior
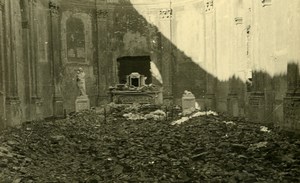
x=236, y=58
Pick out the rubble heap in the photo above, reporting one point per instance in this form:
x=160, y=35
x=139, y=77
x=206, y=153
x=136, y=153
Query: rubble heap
x=87, y=148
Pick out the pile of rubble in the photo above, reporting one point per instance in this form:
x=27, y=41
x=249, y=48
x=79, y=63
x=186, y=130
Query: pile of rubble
x=91, y=147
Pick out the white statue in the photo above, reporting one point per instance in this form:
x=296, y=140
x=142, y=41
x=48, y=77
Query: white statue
x=81, y=81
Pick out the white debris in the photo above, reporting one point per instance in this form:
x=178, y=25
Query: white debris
x=264, y=129
x=204, y=113
x=211, y=113
x=258, y=145
x=229, y=122
x=179, y=121
x=197, y=114
x=157, y=115
x=133, y=117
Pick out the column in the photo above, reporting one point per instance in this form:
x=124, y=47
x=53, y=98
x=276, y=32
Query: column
x=35, y=98
x=13, y=110
x=210, y=54
x=165, y=26
x=103, y=65
x=58, y=107
x=2, y=78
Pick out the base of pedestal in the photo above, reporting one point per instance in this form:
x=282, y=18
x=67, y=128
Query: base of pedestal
x=13, y=112
x=82, y=103
x=36, y=109
x=58, y=105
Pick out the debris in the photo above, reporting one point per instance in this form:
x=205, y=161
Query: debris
x=86, y=148
x=179, y=121
x=258, y=145
x=264, y=129
x=157, y=115
x=229, y=122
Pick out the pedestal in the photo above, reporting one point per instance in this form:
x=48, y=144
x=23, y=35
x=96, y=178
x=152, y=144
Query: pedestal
x=58, y=107
x=13, y=112
x=82, y=103
x=188, y=102
x=36, y=107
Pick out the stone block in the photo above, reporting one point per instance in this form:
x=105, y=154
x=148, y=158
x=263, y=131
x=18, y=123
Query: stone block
x=82, y=103
x=188, y=101
x=58, y=107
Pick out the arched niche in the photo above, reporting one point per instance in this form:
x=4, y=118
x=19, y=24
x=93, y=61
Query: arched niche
x=76, y=34
x=75, y=39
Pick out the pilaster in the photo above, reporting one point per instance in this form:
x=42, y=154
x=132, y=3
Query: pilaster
x=232, y=98
x=165, y=25
x=102, y=18
x=36, y=100
x=261, y=99
x=58, y=104
x=12, y=101
x=210, y=54
x=291, y=107
x=2, y=78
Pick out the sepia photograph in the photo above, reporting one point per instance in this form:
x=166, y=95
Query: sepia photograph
x=149, y=91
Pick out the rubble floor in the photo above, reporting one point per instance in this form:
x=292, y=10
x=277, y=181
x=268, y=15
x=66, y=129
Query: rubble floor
x=85, y=147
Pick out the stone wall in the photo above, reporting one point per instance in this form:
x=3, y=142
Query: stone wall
x=234, y=56
x=237, y=56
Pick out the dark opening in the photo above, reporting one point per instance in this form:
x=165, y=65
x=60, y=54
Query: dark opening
x=128, y=65
x=135, y=82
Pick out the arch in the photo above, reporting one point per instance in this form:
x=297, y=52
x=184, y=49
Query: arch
x=80, y=25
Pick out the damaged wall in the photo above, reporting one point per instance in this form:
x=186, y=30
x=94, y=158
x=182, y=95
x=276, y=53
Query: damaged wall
x=236, y=56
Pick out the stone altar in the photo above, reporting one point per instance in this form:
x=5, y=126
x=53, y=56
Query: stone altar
x=135, y=91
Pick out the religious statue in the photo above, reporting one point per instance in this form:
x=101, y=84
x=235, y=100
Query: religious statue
x=81, y=81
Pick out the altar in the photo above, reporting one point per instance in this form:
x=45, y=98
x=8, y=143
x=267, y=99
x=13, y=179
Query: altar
x=135, y=91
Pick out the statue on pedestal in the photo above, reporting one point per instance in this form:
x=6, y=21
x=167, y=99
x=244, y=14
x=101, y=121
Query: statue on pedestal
x=80, y=78
x=82, y=102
